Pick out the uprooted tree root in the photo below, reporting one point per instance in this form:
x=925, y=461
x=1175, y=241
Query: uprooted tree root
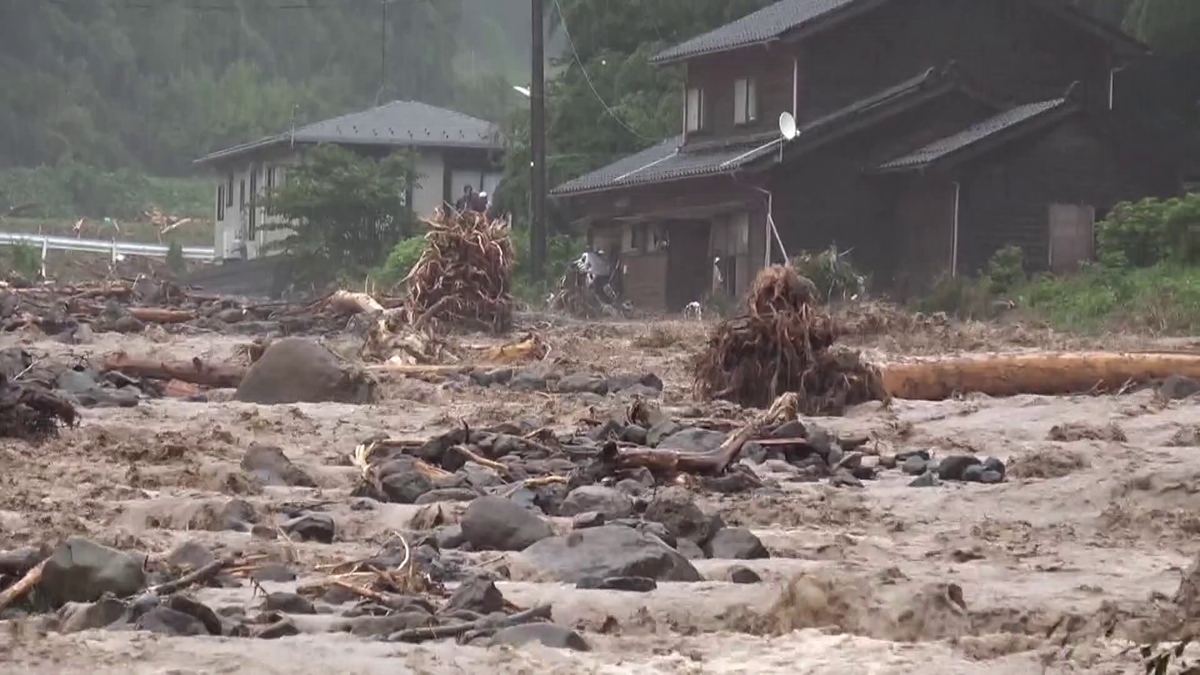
x=30, y=413
x=464, y=277
x=784, y=343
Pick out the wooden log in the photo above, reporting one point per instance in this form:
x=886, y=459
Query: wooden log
x=539, y=613
x=194, y=371
x=353, y=303
x=1048, y=374
x=26, y=584
x=160, y=315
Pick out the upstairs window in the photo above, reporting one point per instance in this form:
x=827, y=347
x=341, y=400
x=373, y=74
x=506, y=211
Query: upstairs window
x=745, y=101
x=229, y=191
x=220, y=202
x=694, y=112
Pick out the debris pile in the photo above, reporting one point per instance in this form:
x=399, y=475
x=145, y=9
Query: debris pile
x=784, y=343
x=464, y=277
x=31, y=412
x=585, y=297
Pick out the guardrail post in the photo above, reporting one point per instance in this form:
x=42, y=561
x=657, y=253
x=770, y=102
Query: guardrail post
x=114, y=251
x=45, y=247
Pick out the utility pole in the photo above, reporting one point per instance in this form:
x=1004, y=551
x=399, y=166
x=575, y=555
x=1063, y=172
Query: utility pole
x=382, y=50
x=537, y=142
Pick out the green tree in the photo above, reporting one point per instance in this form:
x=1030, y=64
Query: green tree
x=343, y=212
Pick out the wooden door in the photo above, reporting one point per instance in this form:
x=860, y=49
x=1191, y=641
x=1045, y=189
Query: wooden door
x=1072, y=236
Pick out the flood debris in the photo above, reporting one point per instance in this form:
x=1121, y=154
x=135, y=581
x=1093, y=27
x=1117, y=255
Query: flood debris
x=464, y=277
x=784, y=342
x=30, y=411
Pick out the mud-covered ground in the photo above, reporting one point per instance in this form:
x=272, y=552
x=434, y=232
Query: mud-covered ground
x=1064, y=567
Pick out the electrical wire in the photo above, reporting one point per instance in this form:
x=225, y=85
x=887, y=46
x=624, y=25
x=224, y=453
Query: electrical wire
x=588, y=78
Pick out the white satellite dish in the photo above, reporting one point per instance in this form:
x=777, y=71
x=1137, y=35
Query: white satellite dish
x=787, y=125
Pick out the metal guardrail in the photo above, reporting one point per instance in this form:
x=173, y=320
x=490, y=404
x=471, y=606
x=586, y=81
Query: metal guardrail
x=113, y=248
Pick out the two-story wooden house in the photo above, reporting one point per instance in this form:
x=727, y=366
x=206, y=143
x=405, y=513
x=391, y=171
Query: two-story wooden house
x=930, y=134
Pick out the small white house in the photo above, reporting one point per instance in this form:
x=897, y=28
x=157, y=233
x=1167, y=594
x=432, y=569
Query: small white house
x=452, y=150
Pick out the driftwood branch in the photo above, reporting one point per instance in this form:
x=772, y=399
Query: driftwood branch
x=199, y=576
x=539, y=613
x=194, y=371
x=26, y=584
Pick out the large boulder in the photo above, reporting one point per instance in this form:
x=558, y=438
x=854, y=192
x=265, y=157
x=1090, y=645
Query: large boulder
x=295, y=370
x=268, y=464
x=81, y=570
x=676, y=510
x=603, y=552
x=546, y=634
x=599, y=499
x=498, y=524
x=694, y=440
x=736, y=544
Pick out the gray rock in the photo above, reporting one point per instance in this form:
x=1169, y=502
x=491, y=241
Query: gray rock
x=991, y=477
x=477, y=595
x=631, y=487
x=268, y=464
x=903, y=455
x=915, y=465
x=587, y=519
x=609, y=551
x=660, y=431
x=754, y=453
x=743, y=575
x=927, y=479
x=167, y=621
x=690, y=550
x=863, y=472
x=581, y=383
x=845, y=479
x=498, y=524
x=237, y=515
x=634, y=434
x=834, y=455
x=739, y=479
x=451, y=537
x=190, y=555
x=288, y=603
x=548, y=634
x=295, y=370
x=636, y=390
x=1178, y=386
x=693, y=440
x=993, y=464
x=80, y=570
x=791, y=429
x=624, y=384
x=973, y=474
x=447, y=495
x=77, y=616
x=282, y=628
x=605, y=500
x=88, y=393
x=736, y=544
x=628, y=584
x=532, y=379
x=489, y=377
x=481, y=477
x=954, y=466
x=197, y=610
x=312, y=526
x=676, y=510
x=405, y=487
x=277, y=572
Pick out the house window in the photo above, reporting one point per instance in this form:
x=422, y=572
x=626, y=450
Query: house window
x=637, y=241
x=220, y=203
x=745, y=101
x=695, y=109
x=242, y=194
x=229, y=191
x=270, y=186
x=252, y=231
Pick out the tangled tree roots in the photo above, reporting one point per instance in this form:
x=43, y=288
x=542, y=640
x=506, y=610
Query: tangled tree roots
x=464, y=276
x=783, y=344
x=30, y=413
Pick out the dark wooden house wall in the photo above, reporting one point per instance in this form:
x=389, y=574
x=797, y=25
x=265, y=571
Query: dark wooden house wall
x=828, y=196
x=1011, y=48
x=772, y=68
x=1006, y=195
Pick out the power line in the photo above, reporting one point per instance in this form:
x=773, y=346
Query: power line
x=588, y=78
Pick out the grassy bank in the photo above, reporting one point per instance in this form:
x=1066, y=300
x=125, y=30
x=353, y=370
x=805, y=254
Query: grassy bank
x=1164, y=299
x=73, y=191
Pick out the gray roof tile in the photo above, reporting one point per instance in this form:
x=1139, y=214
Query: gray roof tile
x=949, y=145
x=399, y=123
x=765, y=24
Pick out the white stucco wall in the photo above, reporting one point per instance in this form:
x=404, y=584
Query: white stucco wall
x=430, y=174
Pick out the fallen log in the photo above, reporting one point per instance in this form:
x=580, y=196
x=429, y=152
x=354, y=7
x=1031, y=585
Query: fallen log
x=159, y=315
x=540, y=613
x=220, y=375
x=26, y=584
x=353, y=303
x=1042, y=373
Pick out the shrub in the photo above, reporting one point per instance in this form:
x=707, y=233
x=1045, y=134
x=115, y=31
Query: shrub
x=1006, y=269
x=400, y=261
x=833, y=273
x=1151, y=231
x=26, y=260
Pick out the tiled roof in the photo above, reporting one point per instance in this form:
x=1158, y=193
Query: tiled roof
x=775, y=20
x=667, y=161
x=943, y=147
x=400, y=123
x=765, y=24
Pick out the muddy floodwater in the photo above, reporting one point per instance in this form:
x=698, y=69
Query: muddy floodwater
x=1064, y=567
